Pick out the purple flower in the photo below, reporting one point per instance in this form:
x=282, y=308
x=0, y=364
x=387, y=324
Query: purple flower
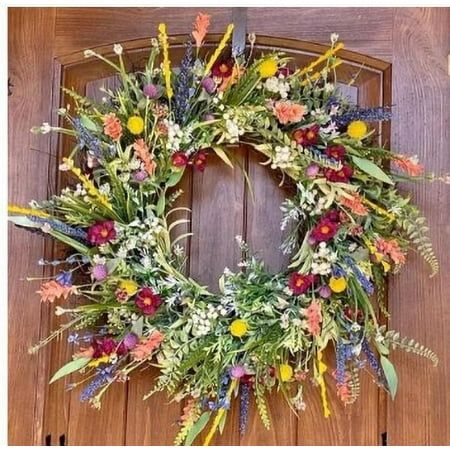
x=151, y=91
x=140, y=175
x=130, y=340
x=209, y=85
x=237, y=372
x=312, y=170
x=99, y=272
x=208, y=117
x=325, y=291
x=64, y=278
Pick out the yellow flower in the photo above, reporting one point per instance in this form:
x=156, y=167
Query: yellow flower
x=286, y=372
x=129, y=286
x=357, y=129
x=268, y=68
x=239, y=328
x=97, y=361
x=135, y=124
x=337, y=284
x=386, y=266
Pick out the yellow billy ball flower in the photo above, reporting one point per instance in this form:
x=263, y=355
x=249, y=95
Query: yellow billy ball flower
x=239, y=327
x=268, y=68
x=286, y=372
x=135, y=125
x=357, y=129
x=129, y=286
x=337, y=284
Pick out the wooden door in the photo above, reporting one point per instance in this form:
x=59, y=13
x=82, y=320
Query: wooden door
x=46, y=47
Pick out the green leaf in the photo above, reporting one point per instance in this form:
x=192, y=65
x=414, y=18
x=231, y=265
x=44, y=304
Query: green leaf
x=174, y=178
x=161, y=205
x=197, y=428
x=372, y=169
x=223, y=156
x=88, y=123
x=70, y=367
x=138, y=326
x=23, y=221
x=390, y=374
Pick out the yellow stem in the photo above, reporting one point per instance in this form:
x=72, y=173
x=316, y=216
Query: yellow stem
x=14, y=209
x=219, y=415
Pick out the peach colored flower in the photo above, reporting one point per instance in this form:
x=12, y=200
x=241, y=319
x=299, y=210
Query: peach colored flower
x=314, y=317
x=289, y=112
x=392, y=249
x=112, y=126
x=52, y=290
x=408, y=165
x=143, y=153
x=354, y=204
x=147, y=346
x=201, y=26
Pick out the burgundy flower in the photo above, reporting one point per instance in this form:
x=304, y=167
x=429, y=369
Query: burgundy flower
x=147, y=301
x=101, y=232
x=180, y=159
x=106, y=346
x=222, y=68
x=299, y=283
x=306, y=136
x=336, y=152
x=333, y=215
x=339, y=176
x=199, y=161
x=285, y=71
x=325, y=230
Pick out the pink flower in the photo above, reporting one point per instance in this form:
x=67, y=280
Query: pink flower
x=151, y=91
x=148, y=301
x=99, y=272
x=312, y=170
x=392, y=249
x=408, y=165
x=314, y=317
x=289, y=112
x=299, y=283
x=102, y=232
x=237, y=372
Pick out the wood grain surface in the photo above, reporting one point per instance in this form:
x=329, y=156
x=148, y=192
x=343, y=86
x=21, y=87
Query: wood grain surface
x=45, y=47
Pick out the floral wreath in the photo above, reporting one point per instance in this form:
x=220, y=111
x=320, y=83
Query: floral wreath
x=349, y=227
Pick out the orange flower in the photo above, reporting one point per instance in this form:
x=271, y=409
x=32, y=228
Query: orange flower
x=236, y=73
x=84, y=353
x=314, y=317
x=392, y=249
x=201, y=26
x=408, y=165
x=112, y=126
x=143, y=153
x=52, y=290
x=288, y=112
x=146, y=347
x=354, y=204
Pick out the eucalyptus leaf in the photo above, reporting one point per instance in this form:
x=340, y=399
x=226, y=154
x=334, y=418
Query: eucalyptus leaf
x=70, y=367
x=390, y=374
x=161, y=205
x=88, y=123
x=372, y=169
x=174, y=178
x=138, y=326
x=197, y=428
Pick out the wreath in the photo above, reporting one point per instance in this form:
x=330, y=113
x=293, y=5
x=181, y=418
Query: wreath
x=132, y=306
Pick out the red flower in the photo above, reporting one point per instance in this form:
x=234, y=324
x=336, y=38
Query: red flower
x=179, y=159
x=101, y=232
x=325, y=230
x=299, y=283
x=339, y=176
x=333, y=215
x=147, y=301
x=199, y=161
x=223, y=68
x=336, y=152
x=306, y=136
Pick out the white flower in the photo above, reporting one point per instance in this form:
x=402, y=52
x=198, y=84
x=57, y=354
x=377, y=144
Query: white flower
x=334, y=38
x=59, y=311
x=45, y=128
x=46, y=228
x=97, y=259
x=88, y=53
x=118, y=49
x=232, y=128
